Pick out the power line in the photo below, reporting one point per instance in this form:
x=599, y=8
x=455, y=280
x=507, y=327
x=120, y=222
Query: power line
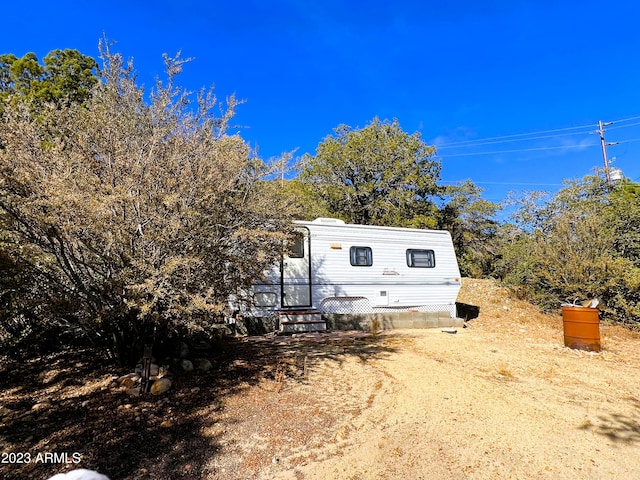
x=522, y=183
x=509, y=138
x=629, y=141
x=498, y=152
x=627, y=119
x=624, y=126
x=514, y=135
x=509, y=183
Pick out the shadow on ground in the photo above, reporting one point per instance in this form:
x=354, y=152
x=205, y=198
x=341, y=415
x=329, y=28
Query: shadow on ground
x=618, y=427
x=63, y=411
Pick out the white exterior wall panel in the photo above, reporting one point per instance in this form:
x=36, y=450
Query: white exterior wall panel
x=389, y=283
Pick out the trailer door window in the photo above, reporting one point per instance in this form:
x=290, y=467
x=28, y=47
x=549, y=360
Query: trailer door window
x=296, y=249
x=361, y=256
x=421, y=258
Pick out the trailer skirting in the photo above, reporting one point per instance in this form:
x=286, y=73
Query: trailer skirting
x=391, y=320
x=363, y=321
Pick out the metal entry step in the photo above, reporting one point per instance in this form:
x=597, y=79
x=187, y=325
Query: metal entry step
x=294, y=321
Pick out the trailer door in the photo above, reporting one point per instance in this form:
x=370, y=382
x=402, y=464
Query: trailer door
x=296, y=272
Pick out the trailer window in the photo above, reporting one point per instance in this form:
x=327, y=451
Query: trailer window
x=361, y=256
x=296, y=249
x=421, y=258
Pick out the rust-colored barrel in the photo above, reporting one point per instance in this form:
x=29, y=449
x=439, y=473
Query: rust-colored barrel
x=581, y=328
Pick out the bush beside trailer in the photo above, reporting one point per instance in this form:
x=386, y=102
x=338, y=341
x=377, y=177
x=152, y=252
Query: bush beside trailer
x=360, y=276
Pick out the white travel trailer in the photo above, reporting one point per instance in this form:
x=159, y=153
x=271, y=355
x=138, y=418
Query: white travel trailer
x=335, y=268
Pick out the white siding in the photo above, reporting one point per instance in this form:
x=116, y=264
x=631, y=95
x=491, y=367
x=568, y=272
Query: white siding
x=389, y=283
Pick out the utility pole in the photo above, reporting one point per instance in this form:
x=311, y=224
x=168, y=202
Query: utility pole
x=604, y=144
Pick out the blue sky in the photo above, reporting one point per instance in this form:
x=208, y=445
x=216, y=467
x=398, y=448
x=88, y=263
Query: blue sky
x=508, y=91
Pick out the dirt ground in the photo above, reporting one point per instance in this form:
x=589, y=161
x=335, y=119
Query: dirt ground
x=502, y=398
